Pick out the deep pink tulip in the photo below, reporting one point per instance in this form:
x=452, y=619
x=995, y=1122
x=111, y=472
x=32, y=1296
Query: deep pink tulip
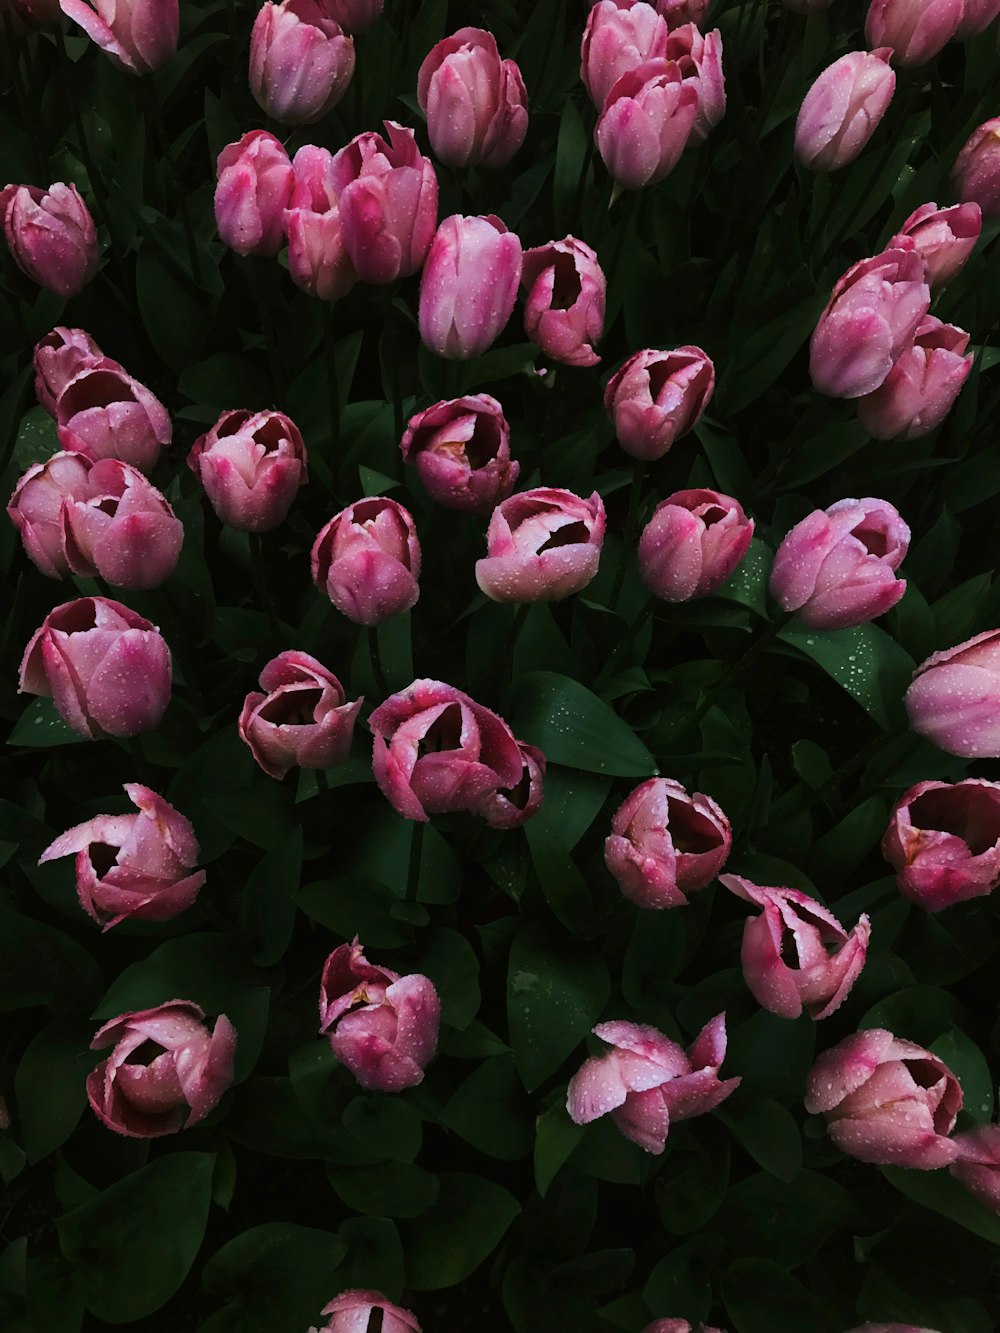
x=541, y=546
x=837, y=568
x=351, y=1312
x=692, y=544
x=564, y=307
x=619, y=35
x=301, y=61
x=842, y=109
x=387, y=195
x=977, y=1166
x=437, y=750
x=317, y=253
x=133, y=867
x=700, y=60
x=99, y=519
x=475, y=103
x=51, y=236
x=461, y=450
x=106, y=668
x=977, y=15
x=57, y=358
x=915, y=30
x=355, y=16
x=164, y=1090
x=381, y=1026
x=942, y=237
x=886, y=1101
x=678, y=1326
x=251, y=465
x=254, y=187
x=138, y=35
x=975, y=177
x=648, y=118
x=515, y=806
x=657, y=397
x=922, y=386
x=469, y=286
x=954, y=699
x=679, y=12
x=646, y=1081
x=665, y=843
x=301, y=720
x=367, y=560
x=943, y=841
x=104, y=412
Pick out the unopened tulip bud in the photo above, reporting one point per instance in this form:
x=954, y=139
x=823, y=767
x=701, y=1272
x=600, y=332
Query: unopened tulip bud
x=367, y=560
x=303, y=719
x=699, y=58
x=51, y=236
x=679, y=12
x=942, y=237
x=352, y=1311
x=301, y=61
x=922, y=386
x=138, y=35
x=317, y=255
x=657, y=397
x=251, y=465
x=648, y=118
x=57, y=358
x=692, y=544
x=977, y=1166
x=943, y=841
x=678, y=1326
x=475, y=103
x=977, y=16
x=564, y=308
x=842, y=109
x=469, y=286
x=618, y=36
x=254, y=188
x=541, y=545
x=915, y=30
x=954, y=700
x=104, y=412
x=461, y=450
x=975, y=177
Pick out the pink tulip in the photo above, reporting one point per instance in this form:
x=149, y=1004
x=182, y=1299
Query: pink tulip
x=977, y=15
x=138, y=35
x=133, y=867
x=461, y=450
x=251, y=465
x=106, y=668
x=381, y=1026
x=648, y=118
x=57, y=358
x=367, y=560
x=541, y=546
x=475, y=103
x=943, y=841
x=692, y=544
x=842, y=109
x=164, y=1090
x=977, y=1166
x=915, y=30
x=677, y=1326
x=355, y=16
x=51, y=236
x=317, y=254
x=351, y=1312
x=975, y=177
x=469, y=286
x=618, y=36
x=646, y=1081
x=837, y=568
x=657, y=397
x=921, y=388
x=302, y=720
x=254, y=187
x=679, y=12
x=301, y=61
x=99, y=519
x=387, y=196
x=515, y=806
x=700, y=60
x=104, y=412
x=954, y=699
x=564, y=309
x=942, y=237
x=665, y=843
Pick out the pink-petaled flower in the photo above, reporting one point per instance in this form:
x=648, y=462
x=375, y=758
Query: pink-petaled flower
x=648, y=118
x=943, y=841
x=842, y=109
x=106, y=669
x=475, y=103
x=975, y=177
x=253, y=189
x=977, y=1166
x=515, y=806
x=301, y=61
x=954, y=698
x=699, y=57
x=57, y=358
x=886, y=1101
x=381, y=1026
x=317, y=254
x=166, y=1072
x=104, y=412
x=692, y=544
x=302, y=720
x=51, y=236
x=351, y=1312
x=541, y=546
x=678, y=1326
x=367, y=560
x=679, y=12
x=468, y=286
x=922, y=386
x=915, y=30
x=133, y=867
x=657, y=397
x=942, y=237
x=251, y=465
x=646, y=1081
x=387, y=197
x=461, y=450
x=138, y=35
x=100, y=519
x=619, y=35
x=666, y=843
x=977, y=15
x=564, y=308
x=355, y=16
x=837, y=568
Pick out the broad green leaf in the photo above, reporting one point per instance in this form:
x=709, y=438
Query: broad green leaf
x=865, y=661
x=938, y=1191
x=50, y=1085
x=490, y=1111
x=280, y=1274
x=449, y=1242
x=572, y=726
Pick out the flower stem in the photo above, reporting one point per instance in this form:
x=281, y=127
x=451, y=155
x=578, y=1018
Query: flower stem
x=413, y=868
x=631, y=523
x=375, y=656
x=392, y=388
x=763, y=640
x=93, y=175
x=155, y=112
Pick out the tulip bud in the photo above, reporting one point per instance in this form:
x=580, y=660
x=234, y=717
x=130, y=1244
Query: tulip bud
x=461, y=450
x=977, y=15
x=648, y=118
x=367, y=560
x=514, y=807
x=677, y=1326
x=564, y=310
x=475, y=103
x=977, y=1166
x=657, y=397
x=679, y=12
x=469, y=286
x=975, y=177
x=138, y=35
x=254, y=187
x=921, y=388
x=138, y=867
x=251, y=465
x=381, y=1026
x=646, y=1081
x=106, y=668
x=178, y=1076
x=618, y=36
x=317, y=256
x=699, y=59
x=51, y=236
x=842, y=109
x=942, y=237
x=351, y=1312
x=943, y=841
x=886, y=1101
x=915, y=30
x=57, y=358
x=355, y=16
x=954, y=699
x=103, y=412
x=692, y=544
x=301, y=61
x=541, y=546
x=303, y=719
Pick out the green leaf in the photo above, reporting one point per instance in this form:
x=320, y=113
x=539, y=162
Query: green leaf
x=748, y=582
x=490, y=1112
x=40, y=965
x=268, y=900
x=452, y=1238
x=556, y=1136
x=40, y=726
x=760, y=1297
x=279, y=1273
x=785, y=1221
x=943, y=1194
x=374, y=1256
x=864, y=661
x=388, y=1128
x=386, y=1189
x=768, y=1132
x=970, y=1066
x=49, y=1085
x=574, y=727
x=692, y=1185
x=450, y=962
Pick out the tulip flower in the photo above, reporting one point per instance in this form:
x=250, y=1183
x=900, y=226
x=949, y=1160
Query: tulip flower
x=251, y=465
x=679, y=12
x=140, y=36
x=977, y=1166
x=355, y=16
x=514, y=807
x=646, y=1081
x=51, y=236
x=942, y=237
x=886, y=1101
x=975, y=177
x=475, y=103
x=564, y=309
x=104, y=412
x=381, y=1026
x=302, y=720
x=367, y=560
x=469, y=286
x=57, y=358
x=692, y=544
x=921, y=388
x=699, y=58
x=842, y=109
x=133, y=867
x=657, y=397
x=977, y=15
x=351, y=1312
x=915, y=30
x=301, y=61
x=677, y=1326
x=954, y=698
x=180, y=1070
x=541, y=546
x=943, y=841
x=317, y=255
x=461, y=450
x=648, y=118
x=618, y=36
x=254, y=187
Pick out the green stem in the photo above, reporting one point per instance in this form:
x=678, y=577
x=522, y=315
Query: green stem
x=857, y=762
x=413, y=868
x=520, y=616
x=155, y=111
x=763, y=640
x=375, y=656
x=624, y=645
x=332, y=386
x=93, y=175
x=631, y=523
x=260, y=579
x=393, y=391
